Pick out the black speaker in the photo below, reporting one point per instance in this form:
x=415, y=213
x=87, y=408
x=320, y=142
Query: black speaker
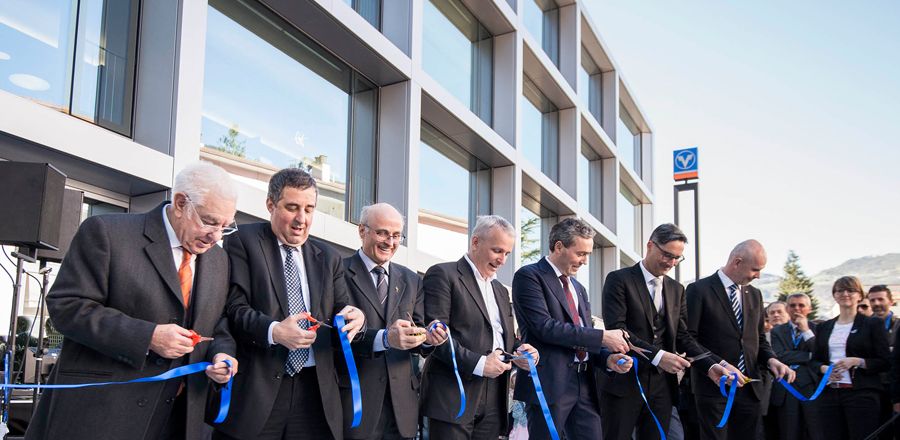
x=68, y=226
x=31, y=197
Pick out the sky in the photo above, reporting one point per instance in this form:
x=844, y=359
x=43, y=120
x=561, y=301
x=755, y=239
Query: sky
x=793, y=106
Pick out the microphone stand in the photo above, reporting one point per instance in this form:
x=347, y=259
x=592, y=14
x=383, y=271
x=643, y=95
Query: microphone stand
x=24, y=254
x=40, y=351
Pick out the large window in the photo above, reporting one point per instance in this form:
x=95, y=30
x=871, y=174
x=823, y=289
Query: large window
x=457, y=51
x=628, y=221
x=76, y=57
x=368, y=9
x=272, y=98
x=590, y=86
x=628, y=140
x=535, y=223
x=541, y=18
x=539, y=132
x=589, y=181
x=454, y=188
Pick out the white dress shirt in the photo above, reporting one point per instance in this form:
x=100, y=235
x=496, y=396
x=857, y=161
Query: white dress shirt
x=728, y=283
x=378, y=344
x=175, y=243
x=574, y=298
x=648, y=280
x=304, y=288
x=490, y=302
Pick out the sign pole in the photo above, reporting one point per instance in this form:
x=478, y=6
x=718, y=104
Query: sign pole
x=685, y=169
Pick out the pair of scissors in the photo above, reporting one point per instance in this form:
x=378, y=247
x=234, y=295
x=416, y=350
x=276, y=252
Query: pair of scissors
x=508, y=357
x=196, y=338
x=696, y=358
x=631, y=347
x=316, y=323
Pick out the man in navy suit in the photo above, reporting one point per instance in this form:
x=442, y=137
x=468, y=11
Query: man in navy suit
x=555, y=317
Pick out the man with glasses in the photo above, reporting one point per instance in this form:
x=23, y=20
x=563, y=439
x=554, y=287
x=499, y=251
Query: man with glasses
x=282, y=280
x=863, y=308
x=130, y=291
x=391, y=297
x=649, y=305
x=881, y=301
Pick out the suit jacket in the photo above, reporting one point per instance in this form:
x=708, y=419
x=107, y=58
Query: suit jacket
x=452, y=296
x=117, y=282
x=867, y=340
x=712, y=323
x=545, y=323
x=384, y=370
x=257, y=297
x=797, y=357
x=627, y=305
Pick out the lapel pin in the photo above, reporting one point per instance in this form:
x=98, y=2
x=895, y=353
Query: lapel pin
x=396, y=289
x=853, y=331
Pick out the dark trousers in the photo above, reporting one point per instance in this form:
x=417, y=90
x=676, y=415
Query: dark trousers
x=386, y=427
x=486, y=423
x=297, y=413
x=797, y=420
x=848, y=414
x=623, y=415
x=574, y=413
x=886, y=411
x=744, y=422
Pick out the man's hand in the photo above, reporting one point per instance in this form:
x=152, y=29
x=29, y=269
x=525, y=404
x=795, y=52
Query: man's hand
x=404, y=335
x=523, y=363
x=494, y=366
x=801, y=322
x=612, y=362
x=355, y=320
x=171, y=341
x=219, y=371
x=672, y=363
x=734, y=370
x=897, y=407
x=289, y=334
x=781, y=370
x=717, y=371
x=836, y=374
x=614, y=340
x=437, y=336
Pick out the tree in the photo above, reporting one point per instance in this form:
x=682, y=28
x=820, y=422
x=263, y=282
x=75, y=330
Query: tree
x=796, y=281
x=230, y=144
x=531, y=249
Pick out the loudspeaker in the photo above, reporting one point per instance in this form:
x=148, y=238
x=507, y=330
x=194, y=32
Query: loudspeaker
x=31, y=198
x=68, y=226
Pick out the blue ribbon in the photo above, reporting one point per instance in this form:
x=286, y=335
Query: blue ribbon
x=539, y=390
x=662, y=433
x=355, y=392
x=6, y=380
x=185, y=370
x=815, y=395
x=462, y=391
x=730, y=395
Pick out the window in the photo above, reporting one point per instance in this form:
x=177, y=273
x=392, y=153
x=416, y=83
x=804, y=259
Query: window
x=76, y=57
x=446, y=210
x=273, y=99
x=590, y=86
x=628, y=219
x=535, y=223
x=628, y=139
x=457, y=51
x=589, y=180
x=368, y=9
x=539, y=132
x=541, y=18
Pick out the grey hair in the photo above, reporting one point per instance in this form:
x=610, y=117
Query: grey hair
x=369, y=210
x=484, y=224
x=566, y=231
x=201, y=179
x=776, y=303
x=799, y=295
x=667, y=232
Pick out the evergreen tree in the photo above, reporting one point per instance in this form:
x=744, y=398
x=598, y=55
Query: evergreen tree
x=796, y=281
x=531, y=249
x=230, y=144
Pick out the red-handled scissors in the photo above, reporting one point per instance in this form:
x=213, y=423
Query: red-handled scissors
x=315, y=323
x=196, y=338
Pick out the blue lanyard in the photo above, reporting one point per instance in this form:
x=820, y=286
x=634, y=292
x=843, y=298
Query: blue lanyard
x=887, y=321
x=797, y=337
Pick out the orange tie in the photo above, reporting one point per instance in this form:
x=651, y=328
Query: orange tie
x=185, y=276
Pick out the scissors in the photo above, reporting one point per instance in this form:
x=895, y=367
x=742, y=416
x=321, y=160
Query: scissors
x=640, y=351
x=508, y=357
x=316, y=323
x=696, y=358
x=196, y=338
x=750, y=380
x=414, y=324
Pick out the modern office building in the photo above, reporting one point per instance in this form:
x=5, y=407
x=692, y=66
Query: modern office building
x=447, y=109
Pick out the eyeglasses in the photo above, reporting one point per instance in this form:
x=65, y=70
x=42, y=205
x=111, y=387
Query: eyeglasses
x=385, y=235
x=669, y=255
x=212, y=228
x=845, y=292
x=862, y=306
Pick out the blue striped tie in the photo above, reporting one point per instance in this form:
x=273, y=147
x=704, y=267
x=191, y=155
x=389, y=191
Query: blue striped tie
x=739, y=315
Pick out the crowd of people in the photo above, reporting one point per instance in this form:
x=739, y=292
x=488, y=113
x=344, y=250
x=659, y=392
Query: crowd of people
x=451, y=355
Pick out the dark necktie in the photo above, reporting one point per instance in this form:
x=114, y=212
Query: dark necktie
x=296, y=358
x=739, y=315
x=570, y=301
x=381, y=285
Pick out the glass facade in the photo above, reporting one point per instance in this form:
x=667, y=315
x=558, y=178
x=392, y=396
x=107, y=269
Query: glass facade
x=541, y=18
x=457, y=51
x=75, y=57
x=368, y=9
x=272, y=98
x=539, y=130
x=628, y=219
x=446, y=211
x=535, y=223
x=628, y=141
x=590, y=86
x=589, y=181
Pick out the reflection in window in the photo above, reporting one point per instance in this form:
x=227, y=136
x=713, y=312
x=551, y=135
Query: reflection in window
x=368, y=9
x=454, y=188
x=589, y=180
x=273, y=98
x=539, y=130
x=91, y=207
x=590, y=85
x=76, y=59
x=541, y=18
x=535, y=223
x=628, y=140
x=628, y=220
x=457, y=52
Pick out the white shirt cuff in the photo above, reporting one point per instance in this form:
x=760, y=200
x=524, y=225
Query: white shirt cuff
x=807, y=335
x=379, y=342
x=479, y=367
x=657, y=358
x=271, y=328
